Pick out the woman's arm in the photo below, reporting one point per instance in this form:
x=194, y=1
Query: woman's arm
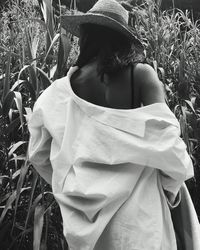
x=151, y=88
x=39, y=146
x=174, y=157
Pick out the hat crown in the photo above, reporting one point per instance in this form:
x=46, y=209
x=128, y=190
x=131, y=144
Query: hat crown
x=111, y=8
x=108, y=13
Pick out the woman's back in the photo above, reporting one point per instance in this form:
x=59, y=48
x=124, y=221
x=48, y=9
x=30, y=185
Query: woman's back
x=117, y=90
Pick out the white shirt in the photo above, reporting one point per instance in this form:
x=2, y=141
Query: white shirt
x=109, y=169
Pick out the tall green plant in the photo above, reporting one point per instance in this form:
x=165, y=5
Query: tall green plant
x=29, y=216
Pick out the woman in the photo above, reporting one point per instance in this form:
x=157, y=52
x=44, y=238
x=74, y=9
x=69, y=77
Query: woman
x=105, y=140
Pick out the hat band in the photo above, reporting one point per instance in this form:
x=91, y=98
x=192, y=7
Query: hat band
x=114, y=16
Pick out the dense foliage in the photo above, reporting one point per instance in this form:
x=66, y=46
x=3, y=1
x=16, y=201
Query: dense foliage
x=31, y=41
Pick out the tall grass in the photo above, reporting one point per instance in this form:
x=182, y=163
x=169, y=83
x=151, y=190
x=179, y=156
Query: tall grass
x=30, y=49
x=34, y=51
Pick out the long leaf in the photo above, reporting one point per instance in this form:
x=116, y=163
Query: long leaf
x=182, y=68
x=18, y=236
x=12, y=126
x=5, y=197
x=18, y=101
x=6, y=87
x=38, y=226
x=16, y=84
x=16, y=174
x=27, y=85
x=28, y=113
x=47, y=11
x=33, y=187
x=28, y=43
x=65, y=46
x=34, y=48
x=25, y=67
x=45, y=79
x=189, y=103
x=50, y=47
x=18, y=158
x=34, y=182
x=47, y=217
x=33, y=79
x=52, y=72
x=184, y=128
x=7, y=103
x=15, y=147
x=8, y=205
x=37, y=200
x=9, y=202
x=20, y=182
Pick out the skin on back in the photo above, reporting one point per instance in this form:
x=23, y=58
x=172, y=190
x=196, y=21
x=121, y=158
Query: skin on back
x=115, y=91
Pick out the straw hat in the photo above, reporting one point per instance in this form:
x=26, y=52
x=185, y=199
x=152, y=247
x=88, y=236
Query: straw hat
x=107, y=13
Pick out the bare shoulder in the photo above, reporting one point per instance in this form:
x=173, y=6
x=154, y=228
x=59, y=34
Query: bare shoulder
x=151, y=88
x=146, y=75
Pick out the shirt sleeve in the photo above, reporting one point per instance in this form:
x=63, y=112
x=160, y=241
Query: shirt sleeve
x=39, y=145
x=170, y=156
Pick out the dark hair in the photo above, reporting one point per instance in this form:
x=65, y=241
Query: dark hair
x=112, y=50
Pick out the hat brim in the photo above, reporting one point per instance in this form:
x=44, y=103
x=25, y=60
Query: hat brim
x=71, y=23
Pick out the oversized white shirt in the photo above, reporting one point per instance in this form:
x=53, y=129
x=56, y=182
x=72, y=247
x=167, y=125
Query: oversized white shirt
x=109, y=168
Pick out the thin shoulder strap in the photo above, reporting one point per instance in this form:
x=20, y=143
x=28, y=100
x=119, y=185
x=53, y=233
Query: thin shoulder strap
x=132, y=86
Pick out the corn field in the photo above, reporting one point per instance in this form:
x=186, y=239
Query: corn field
x=34, y=51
